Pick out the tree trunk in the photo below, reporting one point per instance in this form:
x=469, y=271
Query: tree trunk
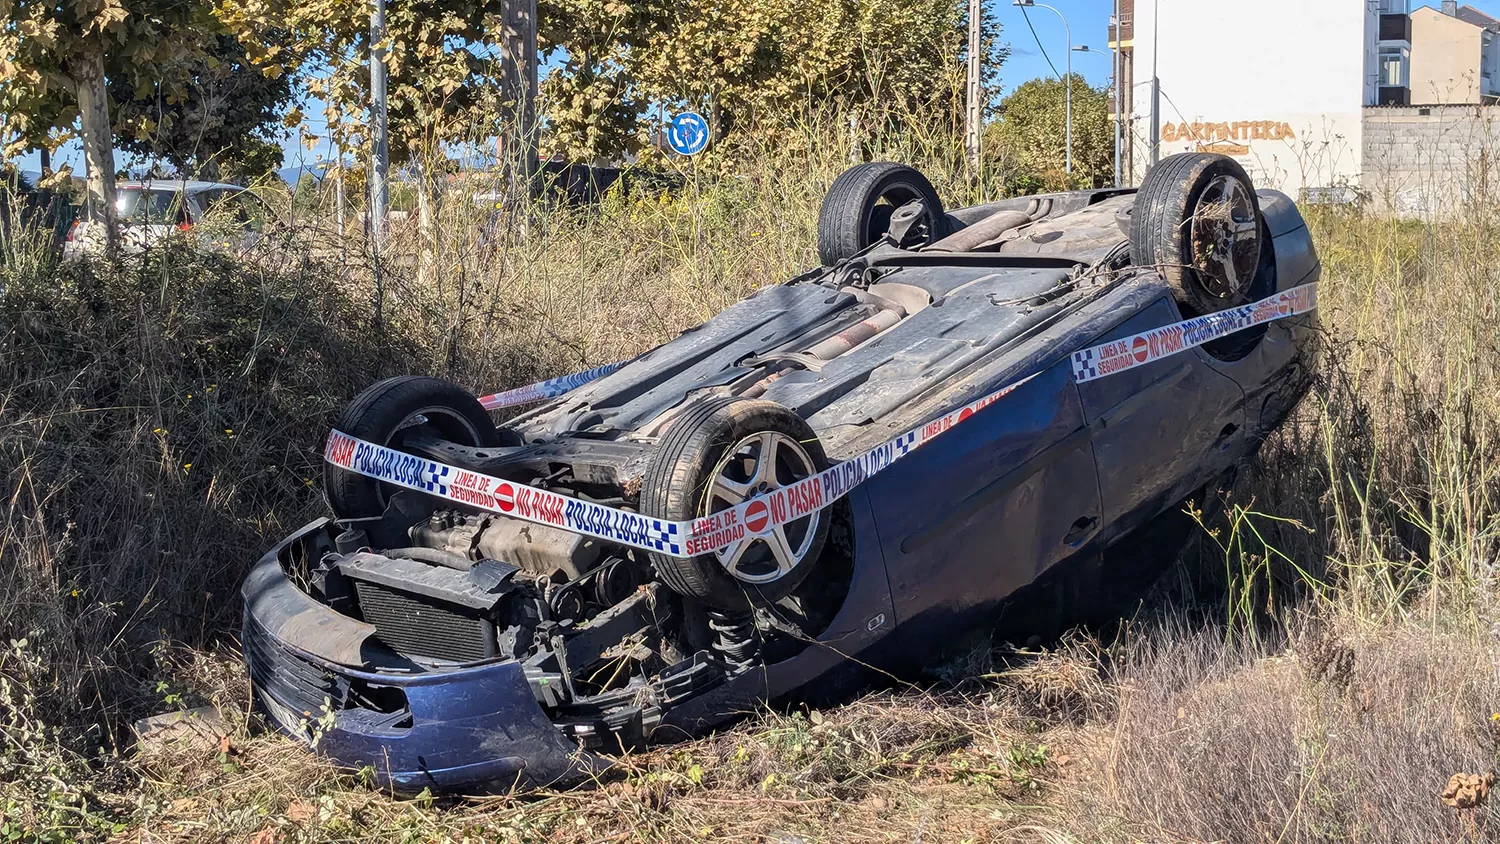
x=426, y=226
x=519, y=81
x=98, y=142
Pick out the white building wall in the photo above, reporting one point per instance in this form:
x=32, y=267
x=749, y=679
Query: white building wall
x=1277, y=84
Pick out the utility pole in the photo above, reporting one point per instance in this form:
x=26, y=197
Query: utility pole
x=1155, y=83
x=518, y=52
x=974, y=114
x=1119, y=100
x=1084, y=48
x=380, y=164
x=1068, y=96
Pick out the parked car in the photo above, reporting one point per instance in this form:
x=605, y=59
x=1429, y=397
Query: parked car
x=957, y=409
x=231, y=216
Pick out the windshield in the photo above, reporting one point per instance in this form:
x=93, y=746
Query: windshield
x=146, y=206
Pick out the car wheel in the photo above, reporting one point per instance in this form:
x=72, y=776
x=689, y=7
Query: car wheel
x=857, y=210
x=1197, y=220
x=388, y=412
x=720, y=454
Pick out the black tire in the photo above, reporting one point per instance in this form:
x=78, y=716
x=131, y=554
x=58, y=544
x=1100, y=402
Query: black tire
x=1198, y=221
x=857, y=209
x=382, y=414
x=677, y=486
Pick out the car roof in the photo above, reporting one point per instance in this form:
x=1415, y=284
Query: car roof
x=185, y=185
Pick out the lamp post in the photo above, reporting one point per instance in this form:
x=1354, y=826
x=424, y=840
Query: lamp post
x=379, y=149
x=973, y=107
x=1067, y=83
x=1115, y=62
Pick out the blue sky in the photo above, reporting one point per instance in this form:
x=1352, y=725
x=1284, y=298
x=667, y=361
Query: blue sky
x=1088, y=19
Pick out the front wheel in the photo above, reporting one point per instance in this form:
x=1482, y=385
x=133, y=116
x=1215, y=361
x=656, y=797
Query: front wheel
x=718, y=455
x=386, y=413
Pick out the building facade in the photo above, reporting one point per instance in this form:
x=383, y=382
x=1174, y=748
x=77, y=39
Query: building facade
x=1455, y=58
x=1293, y=118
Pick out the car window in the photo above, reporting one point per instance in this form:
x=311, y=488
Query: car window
x=235, y=206
x=253, y=211
x=150, y=207
x=214, y=201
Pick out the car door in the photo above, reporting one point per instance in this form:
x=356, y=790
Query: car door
x=985, y=508
x=255, y=215
x=1161, y=429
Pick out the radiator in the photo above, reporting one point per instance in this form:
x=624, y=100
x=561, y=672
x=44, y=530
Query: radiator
x=416, y=625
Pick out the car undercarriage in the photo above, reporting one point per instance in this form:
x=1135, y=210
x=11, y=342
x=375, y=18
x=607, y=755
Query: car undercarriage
x=464, y=616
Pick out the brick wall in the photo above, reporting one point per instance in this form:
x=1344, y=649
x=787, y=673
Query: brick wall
x=1431, y=161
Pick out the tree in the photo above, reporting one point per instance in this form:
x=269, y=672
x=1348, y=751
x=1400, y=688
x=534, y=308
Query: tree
x=57, y=56
x=445, y=82
x=758, y=66
x=1030, y=136
x=590, y=99
x=444, y=74
x=226, y=128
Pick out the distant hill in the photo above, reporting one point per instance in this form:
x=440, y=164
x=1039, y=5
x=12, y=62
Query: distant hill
x=293, y=175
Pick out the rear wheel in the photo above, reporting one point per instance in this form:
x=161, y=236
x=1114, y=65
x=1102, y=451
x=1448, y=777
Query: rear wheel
x=857, y=210
x=718, y=455
x=1197, y=220
x=387, y=413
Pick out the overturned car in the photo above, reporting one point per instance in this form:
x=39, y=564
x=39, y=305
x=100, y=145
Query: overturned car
x=957, y=409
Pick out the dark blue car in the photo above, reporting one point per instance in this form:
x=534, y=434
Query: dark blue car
x=960, y=412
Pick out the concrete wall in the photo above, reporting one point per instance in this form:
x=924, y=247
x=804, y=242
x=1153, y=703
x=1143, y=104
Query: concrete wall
x=1431, y=165
x=1291, y=115
x=1445, y=58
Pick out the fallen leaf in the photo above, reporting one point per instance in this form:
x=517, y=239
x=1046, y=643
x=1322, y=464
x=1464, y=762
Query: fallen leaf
x=182, y=805
x=1467, y=791
x=300, y=812
x=265, y=836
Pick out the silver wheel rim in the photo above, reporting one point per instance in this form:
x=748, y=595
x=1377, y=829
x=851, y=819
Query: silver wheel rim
x=1225, y=237
x=756, y=465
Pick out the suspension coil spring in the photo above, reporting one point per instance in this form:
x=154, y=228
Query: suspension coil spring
x=735, y=637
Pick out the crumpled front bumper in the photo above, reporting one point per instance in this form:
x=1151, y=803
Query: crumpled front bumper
x=445, y=730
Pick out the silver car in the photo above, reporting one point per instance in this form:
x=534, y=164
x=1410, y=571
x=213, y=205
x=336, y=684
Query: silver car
x=151, y=211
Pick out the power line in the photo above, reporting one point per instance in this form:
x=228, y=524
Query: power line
x=1039, y=44
x=1180, y=115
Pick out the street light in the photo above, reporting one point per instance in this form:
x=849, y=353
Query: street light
x=1068, y=83
x=1115, y=63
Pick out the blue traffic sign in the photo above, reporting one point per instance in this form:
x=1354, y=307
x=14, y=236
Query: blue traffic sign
x=688, y=133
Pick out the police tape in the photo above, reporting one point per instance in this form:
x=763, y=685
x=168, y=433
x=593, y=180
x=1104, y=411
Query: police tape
x=760, y=515
x=1140, y=349
x=715, y=532
x=547, y=389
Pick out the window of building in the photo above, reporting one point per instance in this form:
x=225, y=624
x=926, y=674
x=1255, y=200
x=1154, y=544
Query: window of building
x=1394, y=63
x=1395, y=7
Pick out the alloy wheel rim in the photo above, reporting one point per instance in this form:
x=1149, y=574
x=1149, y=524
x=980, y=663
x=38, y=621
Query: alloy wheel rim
x=1225, y=237
x=758, y=464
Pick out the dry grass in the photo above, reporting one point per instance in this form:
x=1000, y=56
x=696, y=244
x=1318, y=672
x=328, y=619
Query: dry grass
x=1314, y=670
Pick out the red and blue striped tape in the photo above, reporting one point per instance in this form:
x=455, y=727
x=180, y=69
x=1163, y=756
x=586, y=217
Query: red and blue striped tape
x=758, y=516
